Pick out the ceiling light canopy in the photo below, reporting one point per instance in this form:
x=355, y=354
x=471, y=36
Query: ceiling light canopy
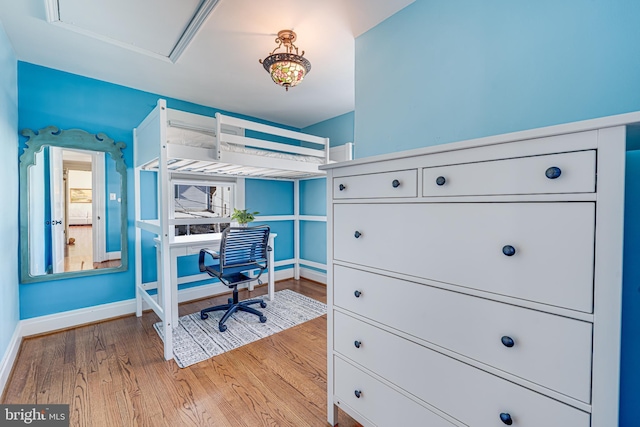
x=286, y=68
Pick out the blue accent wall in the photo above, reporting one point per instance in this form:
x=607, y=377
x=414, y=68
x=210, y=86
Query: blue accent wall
x=630, y=372
x=284, y=240
x=441, y=71
x=313, y=197
x=339, y=129
x=9, y=193
x=269, y=197
x=313, y=234
x=51, y=97
x=469, y=69
x=313, y=241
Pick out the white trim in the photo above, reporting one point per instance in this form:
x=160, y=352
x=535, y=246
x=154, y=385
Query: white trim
x=10, y=355
x=312, y=264
x=199, y=18
x=316, y=276
x=98, y=313
x=109, y=40
x=267, y=218
x=317, y=218
x=110, y=256
x=52, y=9
x=73, y=318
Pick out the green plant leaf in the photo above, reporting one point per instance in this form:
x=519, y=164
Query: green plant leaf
x=243, y=216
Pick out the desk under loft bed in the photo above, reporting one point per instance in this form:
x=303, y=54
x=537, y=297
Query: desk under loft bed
x=178, y=147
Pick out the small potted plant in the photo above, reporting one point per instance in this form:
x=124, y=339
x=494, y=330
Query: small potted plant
x=243, y=217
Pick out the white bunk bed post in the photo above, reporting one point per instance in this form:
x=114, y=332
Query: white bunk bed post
x=163, y=207
x=296, y=229
x=146, y=148
x=138, y=245
x=327, y=150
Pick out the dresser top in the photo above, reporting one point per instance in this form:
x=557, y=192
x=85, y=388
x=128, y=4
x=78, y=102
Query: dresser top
x=561, y=129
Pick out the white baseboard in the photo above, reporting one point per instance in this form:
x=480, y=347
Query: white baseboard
x=68, y=319
x=316, y=276
x=81, y=316
x=10, y=356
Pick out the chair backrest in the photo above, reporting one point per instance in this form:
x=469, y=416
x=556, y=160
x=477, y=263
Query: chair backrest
x=244, y=246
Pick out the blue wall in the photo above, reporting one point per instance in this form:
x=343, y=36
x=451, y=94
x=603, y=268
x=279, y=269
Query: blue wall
x=313, y=234
x=339, y=129
x=50, y=97
x=630, y=375
x=472, y=69
x=441, y=71
x=273, y=197
x=9, y=314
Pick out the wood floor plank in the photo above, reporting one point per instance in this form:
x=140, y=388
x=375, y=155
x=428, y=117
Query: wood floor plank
x=113, y=373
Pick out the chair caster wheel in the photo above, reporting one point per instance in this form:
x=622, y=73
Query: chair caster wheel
x=222, y=328
x=263, y=304
x=263, y=319
x=204, y=316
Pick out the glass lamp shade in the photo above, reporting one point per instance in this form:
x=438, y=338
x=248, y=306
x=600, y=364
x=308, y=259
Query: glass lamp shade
x=287, y=69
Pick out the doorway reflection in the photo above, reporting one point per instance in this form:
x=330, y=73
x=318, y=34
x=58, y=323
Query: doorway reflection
x=79, y=250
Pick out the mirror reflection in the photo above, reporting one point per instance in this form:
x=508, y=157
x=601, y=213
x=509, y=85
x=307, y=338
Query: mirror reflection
x=70, y=217
x=72, y=205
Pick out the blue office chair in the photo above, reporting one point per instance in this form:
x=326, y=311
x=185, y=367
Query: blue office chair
x=241, y=249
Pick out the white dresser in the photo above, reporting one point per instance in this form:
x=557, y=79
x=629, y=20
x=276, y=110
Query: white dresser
x=479, y=283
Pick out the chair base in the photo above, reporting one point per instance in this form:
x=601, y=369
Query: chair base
x=232, y=306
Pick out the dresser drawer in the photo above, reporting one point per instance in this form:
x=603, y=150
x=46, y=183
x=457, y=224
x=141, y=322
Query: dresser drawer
x=465, y=244
x=388, y=184
x=543, y=344
x=468, y=394
x=382, y=405
x=526, y=175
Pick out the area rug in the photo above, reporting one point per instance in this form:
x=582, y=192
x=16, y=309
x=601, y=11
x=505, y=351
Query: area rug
x=195, y=340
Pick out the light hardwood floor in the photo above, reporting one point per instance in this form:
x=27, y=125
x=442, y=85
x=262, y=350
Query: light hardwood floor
x=113, y=374
x=79, y=255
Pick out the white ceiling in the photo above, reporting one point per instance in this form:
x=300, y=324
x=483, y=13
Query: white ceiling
x=129, y=42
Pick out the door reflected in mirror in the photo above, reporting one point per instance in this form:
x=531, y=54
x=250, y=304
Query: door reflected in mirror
x=68, y=220
x=73, y=215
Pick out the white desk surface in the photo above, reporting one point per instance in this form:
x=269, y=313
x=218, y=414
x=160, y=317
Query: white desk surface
x=194, y=238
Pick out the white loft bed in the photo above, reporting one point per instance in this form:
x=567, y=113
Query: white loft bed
x=175, y=144
x=207, y=145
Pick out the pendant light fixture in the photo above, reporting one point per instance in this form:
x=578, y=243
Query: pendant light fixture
x=286, y=68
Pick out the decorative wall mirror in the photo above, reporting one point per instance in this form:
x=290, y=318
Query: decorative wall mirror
x=73, y=205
